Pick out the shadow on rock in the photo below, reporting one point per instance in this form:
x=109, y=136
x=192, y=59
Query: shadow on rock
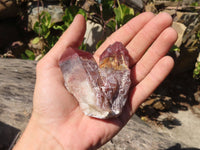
x=171, y=122
x=7, y=135
x=178, y=147
x=176, y=93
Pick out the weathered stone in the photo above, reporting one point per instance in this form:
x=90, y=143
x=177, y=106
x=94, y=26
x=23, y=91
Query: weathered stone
x=150, y=7
x=180, y=29
x=89, y=5
x=93, y=34
x=167, y=3
x=189, y=45
x=197, y=96
x=130, y=139
x=55, y=11
x=17, y=78
x=136, y=4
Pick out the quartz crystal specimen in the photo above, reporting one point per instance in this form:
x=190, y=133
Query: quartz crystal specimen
x=101, y=90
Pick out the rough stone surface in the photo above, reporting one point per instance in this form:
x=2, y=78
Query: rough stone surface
x=181, y=121
x=139, y=136
x=17, y=78
x=187, y=41
x=93, y=34
x=180, y=29
x=136, y=4
x=55, y=11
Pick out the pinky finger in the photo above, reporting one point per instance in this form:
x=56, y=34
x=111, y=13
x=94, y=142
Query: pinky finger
x=143, y=89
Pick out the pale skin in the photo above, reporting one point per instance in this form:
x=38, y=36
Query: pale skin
x=57, y=121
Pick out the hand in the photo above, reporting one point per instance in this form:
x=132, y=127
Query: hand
x=57, y=121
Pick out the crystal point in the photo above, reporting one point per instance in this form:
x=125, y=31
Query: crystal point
x=101, y=90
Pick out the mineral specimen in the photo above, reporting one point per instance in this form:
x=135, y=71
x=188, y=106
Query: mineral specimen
x=101, y=90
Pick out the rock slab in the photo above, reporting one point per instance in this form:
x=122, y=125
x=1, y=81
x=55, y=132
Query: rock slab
x=17, y=79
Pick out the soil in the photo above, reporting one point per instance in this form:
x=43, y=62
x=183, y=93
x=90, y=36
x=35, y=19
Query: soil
x=174, y=108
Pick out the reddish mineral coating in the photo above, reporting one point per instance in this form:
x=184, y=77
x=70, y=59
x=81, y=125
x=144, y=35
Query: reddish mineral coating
x=101, y=91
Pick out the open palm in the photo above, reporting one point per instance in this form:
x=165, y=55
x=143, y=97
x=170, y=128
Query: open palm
x=147, y=38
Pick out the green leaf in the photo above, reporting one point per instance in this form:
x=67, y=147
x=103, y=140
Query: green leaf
x=175, y=48
x=118, y=15
x=36, y=28
x=47, y=34
x=45, y=19
x=23, y=56
x=30, y=54
x=99, y=43
x=111, y=24
x=57, y=27
x=107, y=6
x=127, y=18
x=82, y=12
x=35, y=40
x=83, y=46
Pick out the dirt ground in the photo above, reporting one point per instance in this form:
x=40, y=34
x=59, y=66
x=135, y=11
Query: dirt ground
x=174, y=108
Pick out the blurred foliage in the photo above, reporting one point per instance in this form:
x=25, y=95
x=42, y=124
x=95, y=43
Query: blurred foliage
x=112, y=15
x=44, y=29
x=196, y=72
x=28, y=54
x=174, y=48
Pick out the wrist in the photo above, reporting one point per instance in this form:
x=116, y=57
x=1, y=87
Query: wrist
x=36, y=137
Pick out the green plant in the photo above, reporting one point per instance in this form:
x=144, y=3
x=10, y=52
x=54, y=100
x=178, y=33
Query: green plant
x=174, y=48
x=196, y=72
x=44, y=29
x=123, y=14
x=195, y=4
x=70, y=13
x=118, y=15
x=28, y=54
x=112, y=14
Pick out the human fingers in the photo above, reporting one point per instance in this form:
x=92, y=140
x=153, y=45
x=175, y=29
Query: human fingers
x=141, y=42
x=157, y=50
x=50, y=96
x=126, y=32
x=143, y=89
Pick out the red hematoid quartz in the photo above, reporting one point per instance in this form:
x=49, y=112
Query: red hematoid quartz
x=101, y=90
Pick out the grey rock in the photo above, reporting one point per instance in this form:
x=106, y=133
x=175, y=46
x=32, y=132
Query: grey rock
x=93, y=34
x=56, y=12
x=137, y=135
x=137, y=4
x=180, y=29
x=197, y=96
x=189, y=46
x=17, y=79
x=167, y=3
